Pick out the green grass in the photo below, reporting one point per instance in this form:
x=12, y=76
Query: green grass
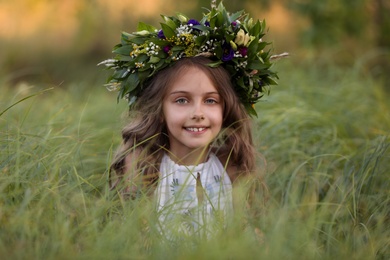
x=324, y=133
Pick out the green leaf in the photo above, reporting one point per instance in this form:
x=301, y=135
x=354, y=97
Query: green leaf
x=250, y=109
x=119, y=73
x=270, y=81
x=143, y=26
x=123, y=58
x=229, y=37
x=257, y=65
x=23, y=99
x=159, y=42
x=253, y=48
x=131, y=82
x=256, y=29
x=261, y=45
x=125, y=37
x=219, y=19
x=138, y=40
x=200, y=40
x=250, y=85
x=169, y=22
x=202, y=28
x=142, y=58
x=264, y=72
x=132, y=100
x=214, y=64
x=123, y=50
x=162, y=54
x=240, y=82
x=154, y=59
x=263, y=25
x=225, y=16
x=121, y=93
x=218, y=51
x=177, y=48
x=168, y=31
x=142, y=75
x=213, y=19
x=235, y=16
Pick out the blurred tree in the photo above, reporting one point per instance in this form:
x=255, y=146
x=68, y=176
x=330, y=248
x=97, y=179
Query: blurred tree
x=231, y=5
x=331, y=21
x=358, y=27
x=382, y=23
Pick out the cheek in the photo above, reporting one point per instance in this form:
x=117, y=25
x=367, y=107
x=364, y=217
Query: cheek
x=217, y=117
x=170, y=116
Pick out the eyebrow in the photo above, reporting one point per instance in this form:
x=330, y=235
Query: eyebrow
x=186, y=92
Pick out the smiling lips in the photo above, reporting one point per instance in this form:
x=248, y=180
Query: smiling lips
x=195, y=129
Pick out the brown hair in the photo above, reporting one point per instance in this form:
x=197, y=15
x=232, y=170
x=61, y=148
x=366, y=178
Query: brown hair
x=145, y=135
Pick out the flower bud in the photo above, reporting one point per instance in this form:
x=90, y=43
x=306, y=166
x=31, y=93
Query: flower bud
x=251, y=38
x=234, y=46
x=182, y=18
x=246, y=39
x=240, y=37
x=142, y=33
x=250, y=23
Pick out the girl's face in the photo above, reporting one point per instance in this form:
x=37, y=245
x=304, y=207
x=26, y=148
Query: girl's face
x=192, y=112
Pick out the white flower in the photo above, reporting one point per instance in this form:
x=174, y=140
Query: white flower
x=183, y=29
x=242, y=38
x=108, y=63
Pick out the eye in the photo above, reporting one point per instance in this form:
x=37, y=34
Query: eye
x=211, y=101
x=181, y=101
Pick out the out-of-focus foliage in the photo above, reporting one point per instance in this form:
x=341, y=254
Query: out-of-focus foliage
x=324, y=132
x=360, y=28
x=331, y=21
x=62, y=40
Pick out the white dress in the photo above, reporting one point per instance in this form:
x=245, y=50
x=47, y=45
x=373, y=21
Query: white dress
x=193, y=199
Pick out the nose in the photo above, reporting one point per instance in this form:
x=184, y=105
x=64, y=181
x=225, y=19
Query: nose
x=197, y=112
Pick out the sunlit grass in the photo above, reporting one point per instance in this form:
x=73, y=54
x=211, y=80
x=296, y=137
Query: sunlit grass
x=324, y=134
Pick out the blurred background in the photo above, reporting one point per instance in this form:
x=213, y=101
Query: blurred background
x=324, y=133
x=57, y=42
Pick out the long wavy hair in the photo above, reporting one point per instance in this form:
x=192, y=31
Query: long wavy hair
x=146, y=135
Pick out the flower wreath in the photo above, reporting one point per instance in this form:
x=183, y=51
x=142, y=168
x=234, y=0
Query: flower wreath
x=233, y=41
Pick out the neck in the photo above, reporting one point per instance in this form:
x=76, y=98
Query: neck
x=190, y=158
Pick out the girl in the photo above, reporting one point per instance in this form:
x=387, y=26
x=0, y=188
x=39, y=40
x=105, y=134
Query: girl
x=189, y=134
x=191, y=87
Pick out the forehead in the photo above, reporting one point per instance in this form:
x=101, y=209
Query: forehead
x=192, y=79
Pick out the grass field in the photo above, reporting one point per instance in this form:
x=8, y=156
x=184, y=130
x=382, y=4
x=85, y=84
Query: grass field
x=324, y=132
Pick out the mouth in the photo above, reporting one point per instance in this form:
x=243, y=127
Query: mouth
x=195, y=129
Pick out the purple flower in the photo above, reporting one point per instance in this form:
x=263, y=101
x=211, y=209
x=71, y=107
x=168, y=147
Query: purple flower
x=243, y=51
x=193, y=22
x=228, y=53
x=235, y=25
x=207, y=23
x=160, y=34
x=167, y=48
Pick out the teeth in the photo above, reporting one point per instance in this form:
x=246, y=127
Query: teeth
x=194, y=129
